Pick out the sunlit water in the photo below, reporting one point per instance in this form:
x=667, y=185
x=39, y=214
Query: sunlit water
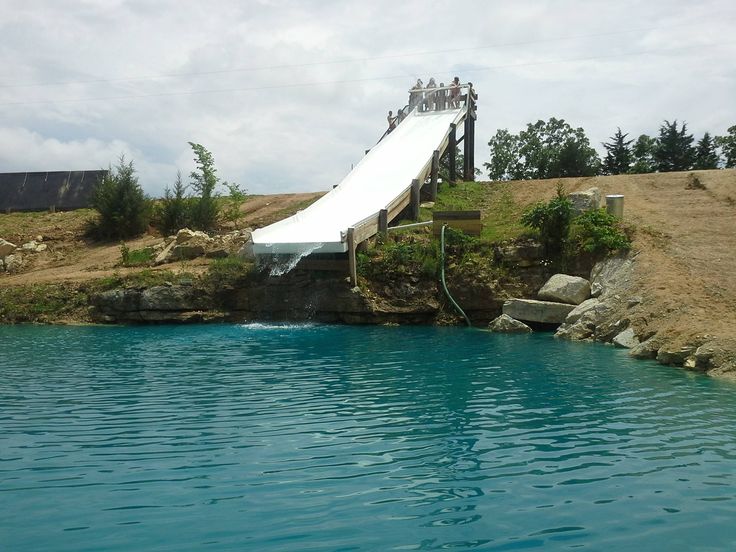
x=340, y=438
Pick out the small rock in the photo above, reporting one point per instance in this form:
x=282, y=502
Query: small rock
x=506, y=324
x=626, y=339
x=41, y=247
x=633, y=301
x=29, y=246
x=565, y=289
x=596, y=289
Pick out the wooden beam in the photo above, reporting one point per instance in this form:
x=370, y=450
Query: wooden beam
x=433, y=175
x=415, y=187
x=352, y=261
x=467, y=144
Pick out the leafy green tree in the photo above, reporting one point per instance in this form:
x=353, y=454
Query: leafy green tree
x=619, y=157
x=727, y=144
x=232, y=202
x=124, y=210
x=706, y=153
x=643, y=155
x=204, y=181
x=548, y=149
x=674, y=151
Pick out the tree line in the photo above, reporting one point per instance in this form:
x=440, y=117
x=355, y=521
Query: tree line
x=554, y=149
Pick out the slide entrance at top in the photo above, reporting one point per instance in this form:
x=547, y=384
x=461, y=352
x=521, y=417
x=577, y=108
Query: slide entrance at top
x=382, y=180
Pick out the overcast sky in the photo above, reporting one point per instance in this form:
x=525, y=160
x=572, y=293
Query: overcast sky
x=288, y=94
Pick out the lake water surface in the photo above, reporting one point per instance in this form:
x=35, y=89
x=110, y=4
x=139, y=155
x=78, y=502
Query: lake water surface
x=328, y=438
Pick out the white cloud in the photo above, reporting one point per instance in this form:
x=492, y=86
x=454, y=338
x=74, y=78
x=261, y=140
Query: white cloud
x=271, y=136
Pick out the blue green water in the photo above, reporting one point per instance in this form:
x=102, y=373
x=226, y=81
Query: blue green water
x=341, y=438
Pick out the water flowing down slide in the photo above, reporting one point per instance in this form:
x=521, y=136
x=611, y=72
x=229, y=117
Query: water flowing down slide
x=381, y=177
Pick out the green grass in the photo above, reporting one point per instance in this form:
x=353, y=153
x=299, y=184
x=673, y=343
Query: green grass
x=500, y=214
x=228, y=271
x=136, y=257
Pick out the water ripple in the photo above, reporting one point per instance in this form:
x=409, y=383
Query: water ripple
x=309, y=437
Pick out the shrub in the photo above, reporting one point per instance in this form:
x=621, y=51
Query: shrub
x=598, y=232
x=552, y=220
x=124, y=210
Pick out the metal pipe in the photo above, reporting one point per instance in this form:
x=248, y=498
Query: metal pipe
x=412, y=225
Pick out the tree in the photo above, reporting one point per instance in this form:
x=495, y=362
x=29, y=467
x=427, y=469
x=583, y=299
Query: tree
x=643, y=155
x=618, y=158
x=728, y=147
x=549, y=149
x=706, y=153
x=124, y=210
x=204, y=181
x=175, y=211
x=674, y=150
x=553, y=221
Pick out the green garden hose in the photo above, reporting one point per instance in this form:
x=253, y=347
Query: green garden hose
x=442, y=276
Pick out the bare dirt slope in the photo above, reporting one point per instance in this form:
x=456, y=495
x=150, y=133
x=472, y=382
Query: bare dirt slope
x=685, y=240
x=71, y=258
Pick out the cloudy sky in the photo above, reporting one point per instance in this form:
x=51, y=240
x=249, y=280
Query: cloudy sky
x=288, y=94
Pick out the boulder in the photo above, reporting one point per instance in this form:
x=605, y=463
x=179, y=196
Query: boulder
x=506, y=324
x=529, y=310
x=674, y=356
x=12, y=263
x=246, y=252
x=587, y=200
x=646, y=349
x=165, y=255
x=562, y=288
x=626, y=339
x=185, y=235
x=6, y=248
x=583, y=308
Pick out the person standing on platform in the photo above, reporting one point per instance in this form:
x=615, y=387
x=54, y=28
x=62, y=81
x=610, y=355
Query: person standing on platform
x=416, y=94
x=430, y=97
x=455, y=92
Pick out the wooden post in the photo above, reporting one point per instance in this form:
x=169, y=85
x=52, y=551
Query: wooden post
x=471, y=148
x=452, y=147
x=352, y=262
x=467, y=149
x=383, y=224
x=433, y=177
x=415, y=186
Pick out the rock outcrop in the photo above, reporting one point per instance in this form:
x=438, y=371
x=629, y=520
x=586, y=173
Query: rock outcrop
x=562, y=288
x=506, y=324
x=191, y=244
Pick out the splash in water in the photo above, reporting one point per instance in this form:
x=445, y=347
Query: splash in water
x=282, y=264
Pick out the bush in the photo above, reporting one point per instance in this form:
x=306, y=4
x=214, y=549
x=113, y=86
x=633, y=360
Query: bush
x=598, y=232
x=135, y=257
x=124, y=210
x=552, y=220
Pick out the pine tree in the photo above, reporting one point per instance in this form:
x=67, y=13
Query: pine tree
x=674, y=151
x=706, y=153
x=618, y=158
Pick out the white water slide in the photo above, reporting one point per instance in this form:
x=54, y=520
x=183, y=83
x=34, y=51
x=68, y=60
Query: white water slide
x=381, y=180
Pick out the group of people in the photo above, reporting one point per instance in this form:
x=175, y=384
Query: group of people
x=430, y=98
x=433, y=97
